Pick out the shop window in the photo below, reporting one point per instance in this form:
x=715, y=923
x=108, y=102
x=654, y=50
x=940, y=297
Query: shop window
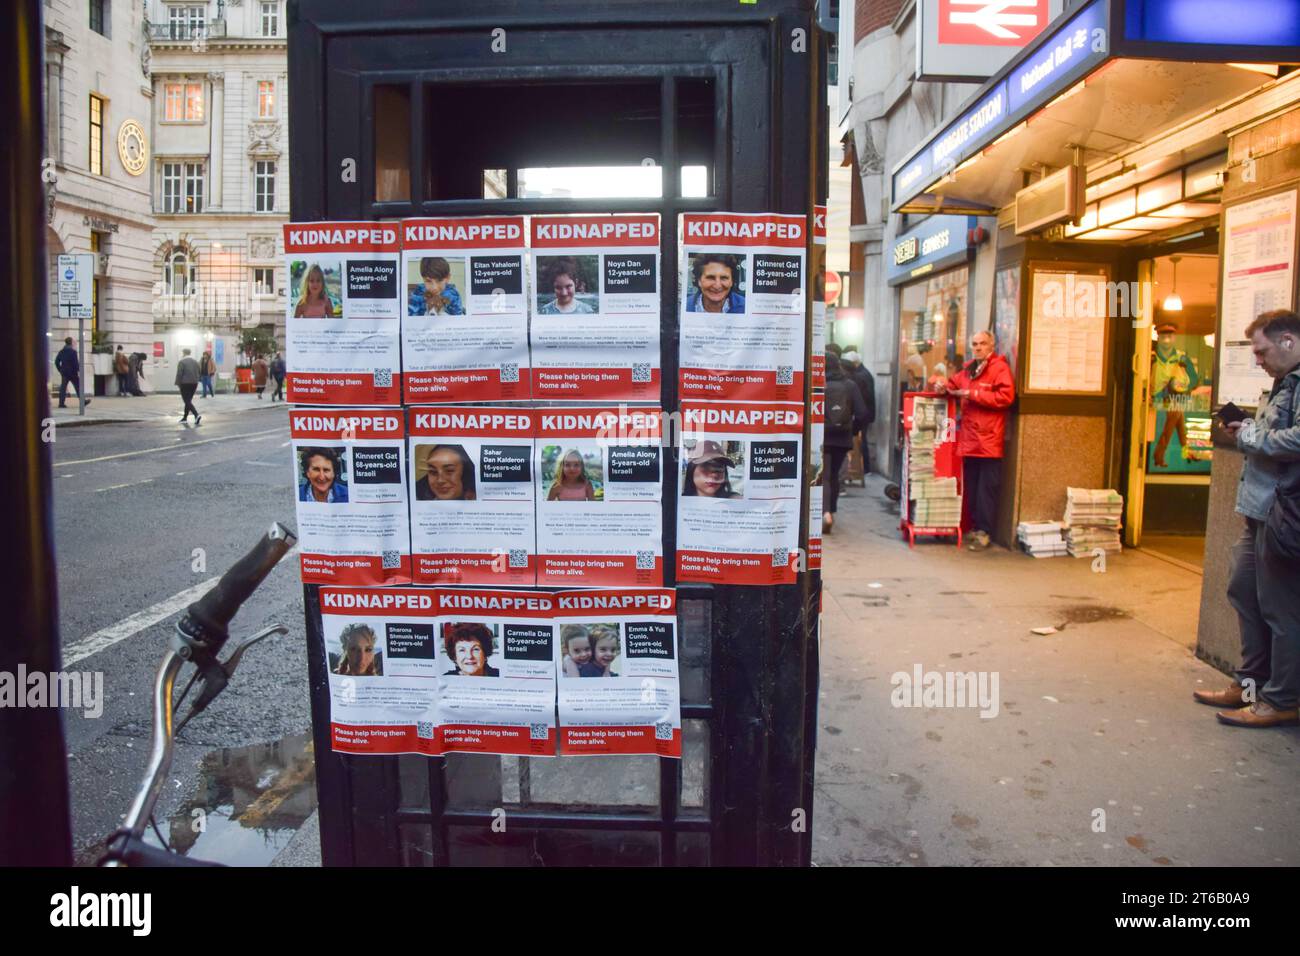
x=932, y=328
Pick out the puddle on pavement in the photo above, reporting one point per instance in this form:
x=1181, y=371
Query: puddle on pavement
x=254, y=799
x=1089, y=613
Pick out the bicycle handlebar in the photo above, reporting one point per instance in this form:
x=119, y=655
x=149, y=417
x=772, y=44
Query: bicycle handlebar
x=208, y=616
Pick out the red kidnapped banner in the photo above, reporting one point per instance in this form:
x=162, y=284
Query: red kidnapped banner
x=343, y=388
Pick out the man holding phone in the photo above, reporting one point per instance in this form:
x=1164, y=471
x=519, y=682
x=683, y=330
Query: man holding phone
x=1263, y=586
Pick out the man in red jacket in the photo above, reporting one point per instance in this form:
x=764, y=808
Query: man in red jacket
x=986, y=388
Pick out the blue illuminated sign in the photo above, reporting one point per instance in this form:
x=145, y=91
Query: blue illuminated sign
x=1216, y=22
x=1079, y=44
x=937, y=242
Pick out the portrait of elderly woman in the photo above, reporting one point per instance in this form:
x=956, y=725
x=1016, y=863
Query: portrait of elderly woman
x=359, y=657
x=321, y=477
x=469, y=646
x=715, y=281
x=448, y=475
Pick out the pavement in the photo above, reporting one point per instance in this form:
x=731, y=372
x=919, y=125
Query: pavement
x=1095, y=755
x=156, y=407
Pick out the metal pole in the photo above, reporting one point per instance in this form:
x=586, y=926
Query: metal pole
x=81, y=359
x=34, y=821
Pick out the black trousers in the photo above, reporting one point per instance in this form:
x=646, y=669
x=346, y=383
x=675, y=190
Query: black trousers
x=279, y=388
x=121, y=383
x=187, y=396
x=1262, y=591
x=982, y=488
x=831, y=476
x=74, y=381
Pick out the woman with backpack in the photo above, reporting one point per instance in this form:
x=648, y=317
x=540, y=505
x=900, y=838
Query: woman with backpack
x=846, y=413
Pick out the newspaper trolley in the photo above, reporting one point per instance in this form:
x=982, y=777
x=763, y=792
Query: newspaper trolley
x=404, y=110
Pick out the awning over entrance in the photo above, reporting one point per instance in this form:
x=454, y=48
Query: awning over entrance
x=1112, y=75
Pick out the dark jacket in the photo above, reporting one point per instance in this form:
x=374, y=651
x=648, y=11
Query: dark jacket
x=840, y=388
x=277, y=368
x=867, y=387
x=187, y=371
x=67, y=362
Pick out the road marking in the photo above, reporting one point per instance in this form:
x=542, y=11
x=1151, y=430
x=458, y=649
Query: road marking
x=284, y=444
x=142, y=481
x=186, y=454
x=105, y=638
x=262, y=439
x=267, y=464
x=143, y=451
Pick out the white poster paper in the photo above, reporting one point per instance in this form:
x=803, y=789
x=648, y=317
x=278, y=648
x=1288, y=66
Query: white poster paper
x=740, y=494
x=342, y=318
x=472, y=496
x=350, y=477
x=595, y=307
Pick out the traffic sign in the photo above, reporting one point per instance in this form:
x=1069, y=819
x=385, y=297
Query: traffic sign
x=77, y=286
x=833, y=286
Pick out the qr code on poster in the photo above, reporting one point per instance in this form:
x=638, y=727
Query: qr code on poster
x=645, y=560
x=424, y=729
x=785, y=375
x=538, y=731
x=509, y=371
x=663, y=730
x=518, y=558
x=780, y=557
x=383, y=378
x=640, y=371
x=392, y=559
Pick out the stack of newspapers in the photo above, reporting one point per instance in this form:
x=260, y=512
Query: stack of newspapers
x=1092, y=519
x=1042, y=539
x=935, y=501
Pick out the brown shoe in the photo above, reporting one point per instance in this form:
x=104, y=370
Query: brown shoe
x=1232, y=697
x=1259, y=714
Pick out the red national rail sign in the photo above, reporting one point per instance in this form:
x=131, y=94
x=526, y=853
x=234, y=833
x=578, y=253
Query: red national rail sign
x=991, y=22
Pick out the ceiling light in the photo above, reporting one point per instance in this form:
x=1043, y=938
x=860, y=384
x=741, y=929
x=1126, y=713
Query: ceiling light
x=1209, y=340
x=1188, y=210
x=1112, y=234
x=1122, y=205
x=1150, y=223
x=1173, y=302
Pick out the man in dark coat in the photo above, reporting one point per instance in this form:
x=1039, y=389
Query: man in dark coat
x=845, y=414
x=69, y=367
x=866, y=384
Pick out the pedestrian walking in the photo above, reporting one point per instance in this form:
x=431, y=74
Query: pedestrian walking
x=845, y=413
x=122, y=369
x=278, y=371
x=986, y=388
x=260, y=370
x=866, y=384
x=69, y=368
x=187, y=380
x=207, y=369
x=1266, y=558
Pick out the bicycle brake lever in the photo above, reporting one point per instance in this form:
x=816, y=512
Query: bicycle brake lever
x=232, y=662
x=215, y=675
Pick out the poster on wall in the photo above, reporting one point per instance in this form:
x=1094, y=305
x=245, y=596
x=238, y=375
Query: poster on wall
x=594, y=307
x=464, y=318
x=471, y=496
x=351, y=482
x=740, y=493
x=742, y=307
x=1067, y=332
x=1258, y=276
x=815, y=491
x=343, y=314
x=817, y=359
x=616, y=673
x=440, y=670
x=1006, y=315
x=598, y=474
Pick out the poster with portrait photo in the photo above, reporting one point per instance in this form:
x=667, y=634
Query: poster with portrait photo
x=471, y=494
x=750, y=535
x=465, y=318
x=742, y=307
x=350, y=483
x=595, y=307
x=496, y=683
x=599, y=491
x=342, y=313
x=381, y=661
x=616, y=672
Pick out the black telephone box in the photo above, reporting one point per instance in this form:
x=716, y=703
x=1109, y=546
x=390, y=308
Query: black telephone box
x=403, y=109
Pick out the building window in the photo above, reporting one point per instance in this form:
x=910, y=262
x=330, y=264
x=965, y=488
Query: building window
x=265, y=99
x=183, y=102
x=97, y=16
x=270, y=19
x=178, y=273
x=96, y=135
x=264, y=281
x=182, y=187
x=264, y=186
x=185, y=23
